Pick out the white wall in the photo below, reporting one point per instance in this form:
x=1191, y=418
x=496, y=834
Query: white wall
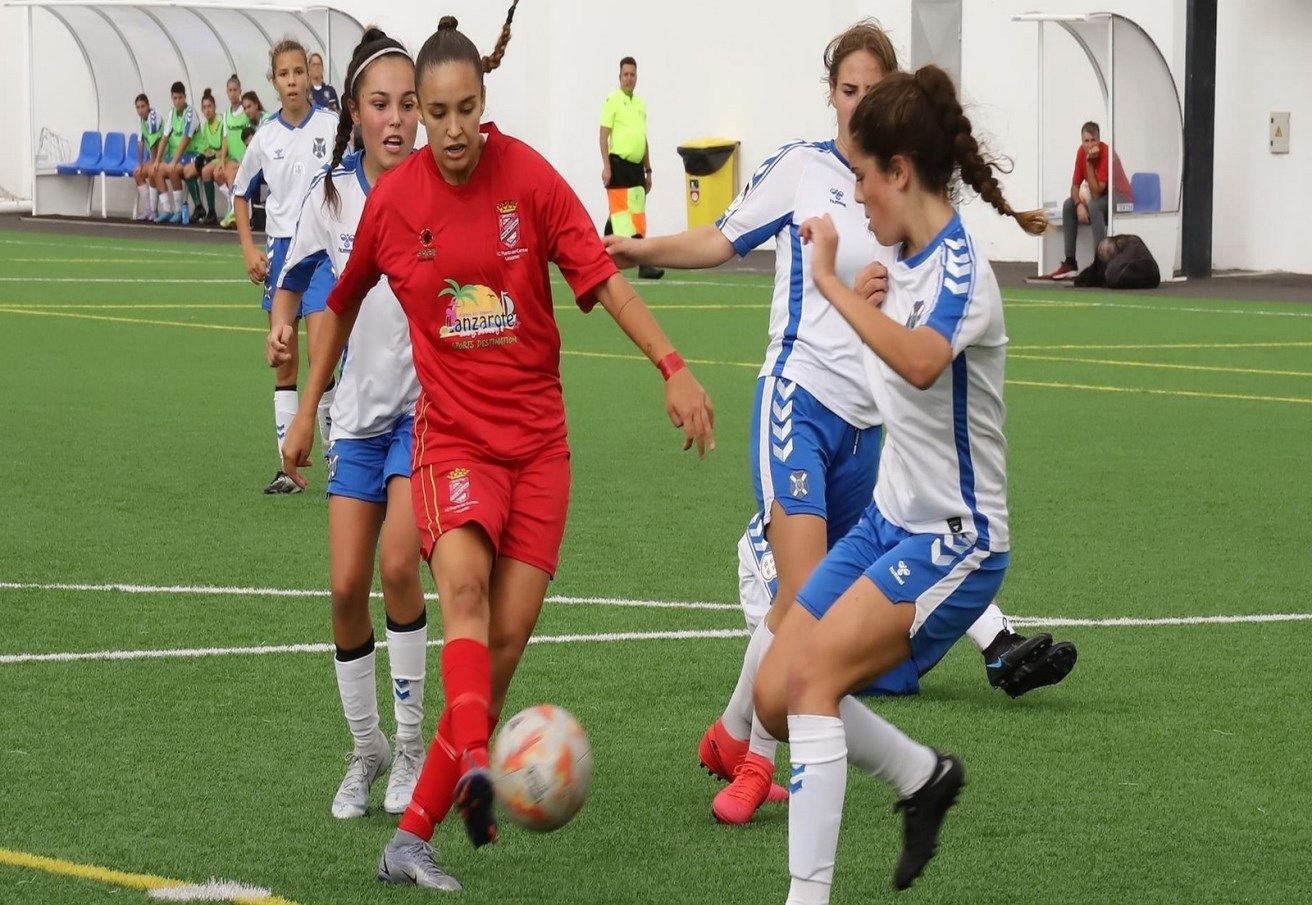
x=751, y=69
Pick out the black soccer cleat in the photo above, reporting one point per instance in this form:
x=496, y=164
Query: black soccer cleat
x=475, y=800
x=1017, y=664
x=922, y=817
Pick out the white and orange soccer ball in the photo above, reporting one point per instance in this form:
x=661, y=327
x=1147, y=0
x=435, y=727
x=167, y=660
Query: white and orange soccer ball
x=542, y=767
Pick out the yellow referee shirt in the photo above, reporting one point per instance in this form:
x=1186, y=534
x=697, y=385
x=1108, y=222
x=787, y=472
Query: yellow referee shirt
x=626, y=117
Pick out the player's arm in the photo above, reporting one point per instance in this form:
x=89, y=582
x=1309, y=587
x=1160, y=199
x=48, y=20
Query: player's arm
x=693, y=249
x=919, y=356
x=605, y=155
x=686, y=402
x=243, y=189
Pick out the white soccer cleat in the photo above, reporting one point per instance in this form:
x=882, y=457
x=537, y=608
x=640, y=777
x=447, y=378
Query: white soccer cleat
x=411, y=861
x=362, y=768
x=406, y=764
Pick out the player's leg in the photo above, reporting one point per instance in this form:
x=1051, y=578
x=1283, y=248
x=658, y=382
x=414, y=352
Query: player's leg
x=286, y=401
x=313, y=302
x=1018, y=663
x=207, y=177
x=173, y=178
x=353, y=526
x=144, y=211
x=407, y=621
x=164, y=205
x=230, y=168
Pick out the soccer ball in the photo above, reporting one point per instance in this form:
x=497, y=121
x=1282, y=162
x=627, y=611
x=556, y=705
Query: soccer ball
x=542, y=767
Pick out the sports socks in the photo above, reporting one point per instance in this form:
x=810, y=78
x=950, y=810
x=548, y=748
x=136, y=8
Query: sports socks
x=209, y=197
x=193, y=189
x=737, y=716
x=884, y=751
x=165, y=204
x=815, y=805
x=143, y=198
x=285, y=405
x=467, y=683
x=359, y=692
x=407, y=650
x=154, y=198
x=987, y=627
x=436, y=788
x=177, y=199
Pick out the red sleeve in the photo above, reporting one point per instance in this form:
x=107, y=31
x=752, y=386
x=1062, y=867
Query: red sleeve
x=1081, y=160
x=362, y=272
x=1103, y=163
x=572, y=241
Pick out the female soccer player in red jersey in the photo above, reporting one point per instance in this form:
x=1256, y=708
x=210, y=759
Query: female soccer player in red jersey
x=464, y=233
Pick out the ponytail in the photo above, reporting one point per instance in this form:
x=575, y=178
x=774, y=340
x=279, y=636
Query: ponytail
x=449, y=44
x=374, y=43
x=919, y=117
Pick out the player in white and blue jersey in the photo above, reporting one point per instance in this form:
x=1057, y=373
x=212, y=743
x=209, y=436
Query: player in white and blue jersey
x=930, y=552
x=370, y=513
x=816, y=431
x=284, y=155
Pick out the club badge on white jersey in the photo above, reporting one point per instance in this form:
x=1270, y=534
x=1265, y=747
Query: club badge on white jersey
x=810, y=342
x=378, y=384
x=944, y=464
x=286, y=157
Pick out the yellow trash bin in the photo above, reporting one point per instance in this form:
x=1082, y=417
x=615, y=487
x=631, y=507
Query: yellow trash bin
x=710, y=168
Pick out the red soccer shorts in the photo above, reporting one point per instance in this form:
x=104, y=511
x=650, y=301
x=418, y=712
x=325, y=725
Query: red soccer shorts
x=522, y=508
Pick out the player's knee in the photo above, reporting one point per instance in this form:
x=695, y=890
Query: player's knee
x=399, y=571
x=350, y=592
x=771, y=705
x=465, y=599
x=809, y=680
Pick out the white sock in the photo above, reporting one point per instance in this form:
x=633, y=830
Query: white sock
x=359, y=691
x=177, y=199
x=285, y=405
x=154, y=199
x=987, y=626
x=164, y=202
x=407, y=654
x=737, y=716
x=815, y=805
x=882, y=750
x=762, y=742
x=143, y=198
x=324, y=414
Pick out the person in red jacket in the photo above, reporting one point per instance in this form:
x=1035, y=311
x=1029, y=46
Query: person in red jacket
x=464, y=232
x=1089, y=201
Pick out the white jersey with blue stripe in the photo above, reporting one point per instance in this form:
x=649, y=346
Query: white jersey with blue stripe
x=944, y=463
x=286, y=158
x=378, y=383
x=810, y=343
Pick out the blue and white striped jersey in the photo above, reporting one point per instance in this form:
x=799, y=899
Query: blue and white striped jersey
x=378, y=382
x=286, y=157
x=810, y=342
x=944, y=465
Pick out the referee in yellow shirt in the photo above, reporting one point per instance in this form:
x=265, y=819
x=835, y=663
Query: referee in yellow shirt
x=626, y=160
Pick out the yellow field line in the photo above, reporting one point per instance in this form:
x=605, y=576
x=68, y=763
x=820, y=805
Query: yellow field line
x=1023, y=356
x=1191, y=393
x=1085, y=347
x=133, y=320
x=144, y=882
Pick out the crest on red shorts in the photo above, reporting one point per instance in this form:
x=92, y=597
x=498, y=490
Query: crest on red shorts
x=458, y=490
x=508, y=224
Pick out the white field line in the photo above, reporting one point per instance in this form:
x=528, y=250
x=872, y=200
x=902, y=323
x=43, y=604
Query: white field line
x=81, y=246
x=215, y=590
x=1164, y=308
x=191, y=653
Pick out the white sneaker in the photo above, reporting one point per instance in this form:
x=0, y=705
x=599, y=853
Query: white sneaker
x=406, y=764
x=362, y=768
x=411, y=861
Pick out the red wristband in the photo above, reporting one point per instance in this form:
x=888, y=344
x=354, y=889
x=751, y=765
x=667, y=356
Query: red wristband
x=670, y=365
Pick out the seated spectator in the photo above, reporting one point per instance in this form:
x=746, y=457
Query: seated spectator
x=1089, y=200
x=1121, y=262
x=206, y=144
x=152, y=130
x=322, y=94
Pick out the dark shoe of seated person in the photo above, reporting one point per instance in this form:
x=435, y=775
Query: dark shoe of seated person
x=648, y=272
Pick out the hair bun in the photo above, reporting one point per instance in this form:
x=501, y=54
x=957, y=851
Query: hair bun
x=447, y=22
x=207, y=95
x=371, y=34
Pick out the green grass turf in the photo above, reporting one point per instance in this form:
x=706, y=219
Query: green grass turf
x=1166, y=770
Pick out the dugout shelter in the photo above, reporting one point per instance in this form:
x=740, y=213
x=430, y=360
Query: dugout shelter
x=88, y=60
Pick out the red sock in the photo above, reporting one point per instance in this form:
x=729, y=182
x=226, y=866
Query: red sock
x=436, y=786
x=467, y=683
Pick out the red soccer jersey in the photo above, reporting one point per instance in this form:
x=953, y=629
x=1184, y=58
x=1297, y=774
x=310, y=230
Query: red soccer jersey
x=469, y=265
x=1123, y=191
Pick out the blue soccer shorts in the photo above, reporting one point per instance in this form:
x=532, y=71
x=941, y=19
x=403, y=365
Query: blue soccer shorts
x=948, y=578
x=360, y=469
x=809, y=460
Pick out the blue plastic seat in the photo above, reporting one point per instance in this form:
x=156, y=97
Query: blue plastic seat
x=1147, y=189
x=132, y=157
x=111, y=159
x=87, y=159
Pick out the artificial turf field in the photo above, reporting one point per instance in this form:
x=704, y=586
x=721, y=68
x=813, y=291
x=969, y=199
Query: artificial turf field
x=1161, y=459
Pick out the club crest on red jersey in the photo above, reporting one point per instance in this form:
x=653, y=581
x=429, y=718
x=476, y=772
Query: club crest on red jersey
x=458, y=488
x=426, y=251
x=508, y=232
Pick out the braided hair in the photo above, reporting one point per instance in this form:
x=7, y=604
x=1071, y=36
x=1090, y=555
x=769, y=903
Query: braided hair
x=919, y=117
x=449, y=44
x=374, y=44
